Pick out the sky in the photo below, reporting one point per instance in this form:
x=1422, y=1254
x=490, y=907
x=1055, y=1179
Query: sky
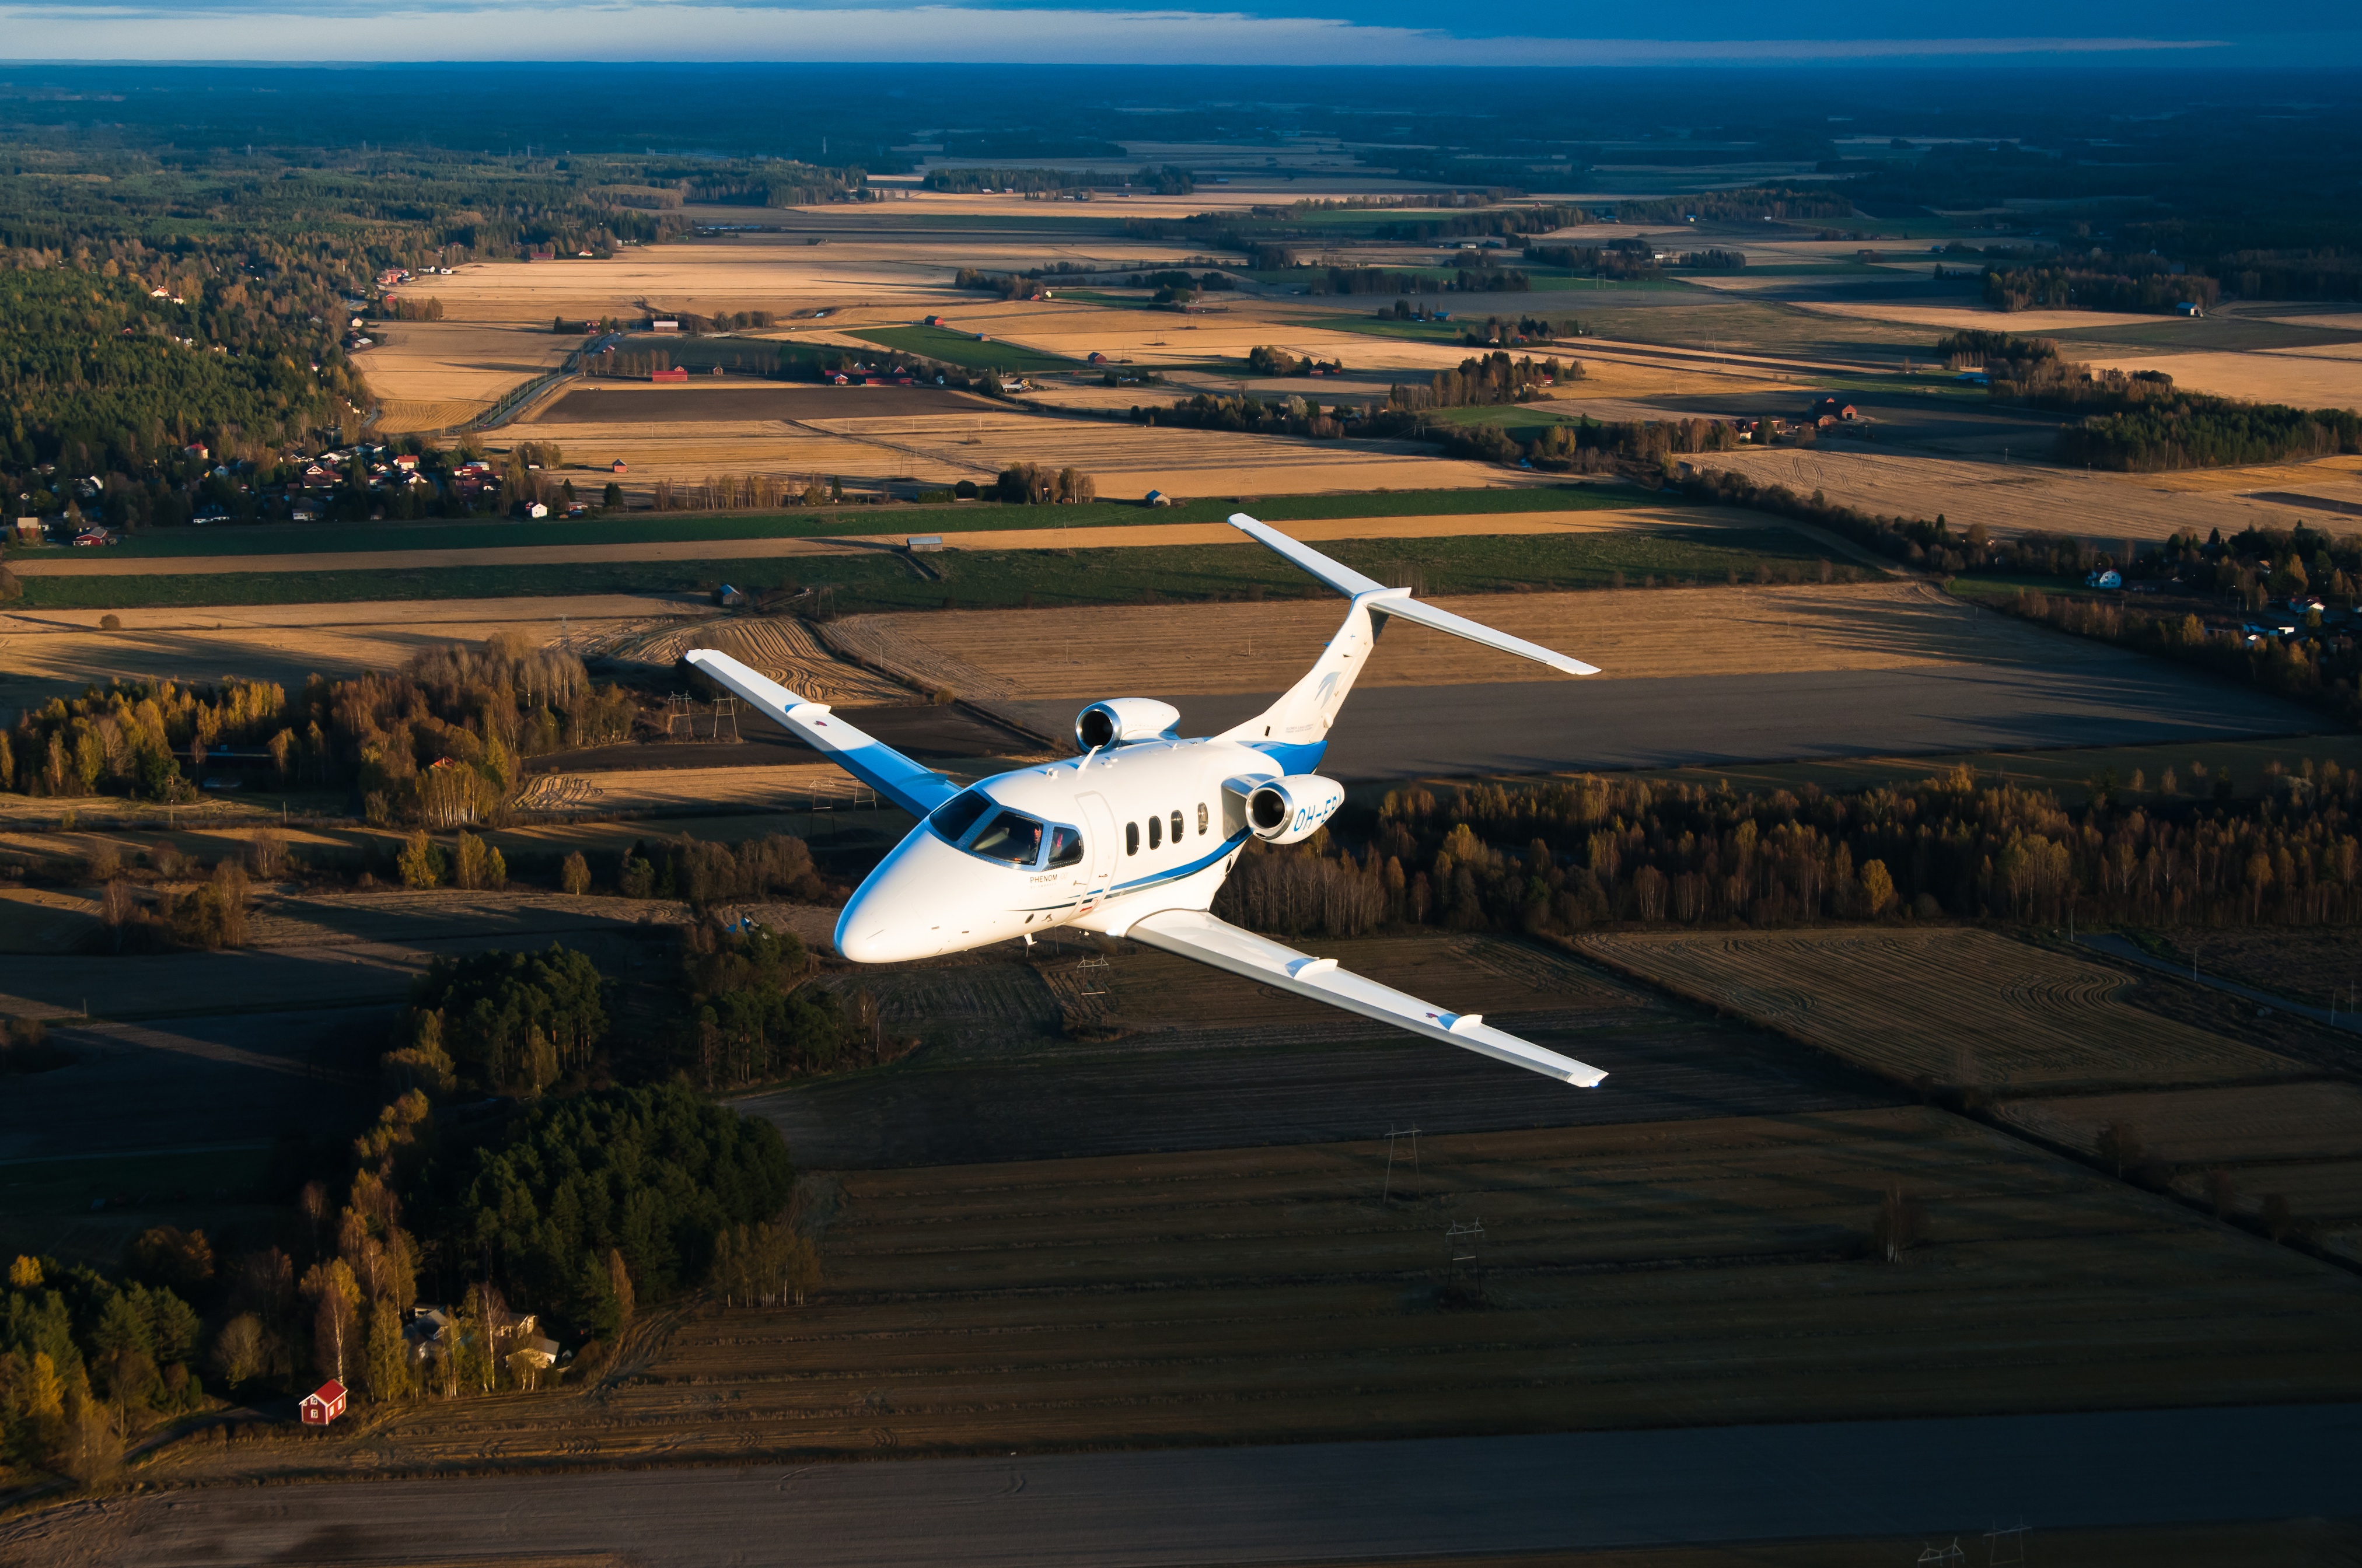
x=1244, y=32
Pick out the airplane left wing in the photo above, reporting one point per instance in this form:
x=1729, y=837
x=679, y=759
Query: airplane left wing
x=1194, y=934
x=916, y=789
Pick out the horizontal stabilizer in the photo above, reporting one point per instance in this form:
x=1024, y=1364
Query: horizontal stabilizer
x=916, y=789
x=1192, y=934
x=1397, y=602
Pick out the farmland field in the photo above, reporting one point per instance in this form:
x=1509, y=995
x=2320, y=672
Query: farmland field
x=1958, y=1007
x=1199, y=649
x=2321, y=967
x=601, y=402
x=1061, y=1053
x=867, y=576
x=961, y=348
x=1259, y=1295
x=2020, y=497
x=2208, y=1126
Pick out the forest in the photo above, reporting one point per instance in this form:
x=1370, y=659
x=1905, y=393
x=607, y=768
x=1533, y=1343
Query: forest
x=650, y=1177
x=2191, y=430
x=2098, y=282
x=437, y=743
x=82, y=1358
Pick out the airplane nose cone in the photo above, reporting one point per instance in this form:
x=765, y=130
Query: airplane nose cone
x=865, y=936
x=911, y=906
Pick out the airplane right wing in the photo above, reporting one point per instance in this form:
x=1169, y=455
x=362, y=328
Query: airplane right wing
x=916, y=789
x=1193, y=934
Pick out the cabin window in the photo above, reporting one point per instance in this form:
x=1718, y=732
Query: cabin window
x=1156, y=837
x=1066, y=847
x=1201, y=816
x=1012, y=836
x=1131, y=837
x=1176, y=827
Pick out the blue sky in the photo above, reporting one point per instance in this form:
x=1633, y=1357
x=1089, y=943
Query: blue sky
x=1274, y=32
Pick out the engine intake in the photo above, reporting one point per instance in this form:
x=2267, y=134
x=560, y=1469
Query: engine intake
x=1287, y=810
x=1124, y=720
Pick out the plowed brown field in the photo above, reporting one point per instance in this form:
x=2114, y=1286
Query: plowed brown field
x=1966, y=1008
x=1265, y=1295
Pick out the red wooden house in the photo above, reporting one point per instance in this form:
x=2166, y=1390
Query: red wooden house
x=322, y=1404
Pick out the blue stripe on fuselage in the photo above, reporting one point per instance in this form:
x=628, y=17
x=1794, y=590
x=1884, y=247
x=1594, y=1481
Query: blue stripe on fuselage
x=1192, y=868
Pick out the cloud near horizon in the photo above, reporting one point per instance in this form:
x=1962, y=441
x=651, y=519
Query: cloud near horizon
x=293, y=31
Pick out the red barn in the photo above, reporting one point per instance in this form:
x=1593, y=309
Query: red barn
x=322, y=1404
x=678, y=373
x=619, y=467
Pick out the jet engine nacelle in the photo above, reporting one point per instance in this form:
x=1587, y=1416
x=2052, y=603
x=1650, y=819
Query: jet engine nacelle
x=1285, y=811
x=1124, y=720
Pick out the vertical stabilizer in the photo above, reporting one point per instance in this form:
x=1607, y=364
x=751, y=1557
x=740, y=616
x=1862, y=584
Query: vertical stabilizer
x=1296, y=728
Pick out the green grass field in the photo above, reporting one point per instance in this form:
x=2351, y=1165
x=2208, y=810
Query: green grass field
x=1523, y=420
x=961, y=348
x=986, y=578
x=1371, y=326
x=969, y=517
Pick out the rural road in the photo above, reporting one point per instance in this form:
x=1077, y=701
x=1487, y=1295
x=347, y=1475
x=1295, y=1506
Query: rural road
x=99, y=564
x=1393, y=732
x=1337, y=1502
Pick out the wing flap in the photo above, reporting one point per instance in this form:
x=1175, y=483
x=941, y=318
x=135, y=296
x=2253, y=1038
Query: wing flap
x=1192, y=934
x=916, y=789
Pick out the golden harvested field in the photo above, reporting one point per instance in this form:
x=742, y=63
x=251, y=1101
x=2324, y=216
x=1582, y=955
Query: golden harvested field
x=1207, y=648
x=658, y=790
x=1127, y=461
x=2309, y=378
x=2324, y=471
x=48, y=653
x=2014, y=498
x=2208, y=1126
x=460, y=361
x=1661, y=1273
x=1964, y=1008
x=779, y=646
x=399, y=416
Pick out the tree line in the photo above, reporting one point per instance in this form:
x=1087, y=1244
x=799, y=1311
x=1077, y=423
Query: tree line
x=1568, y=857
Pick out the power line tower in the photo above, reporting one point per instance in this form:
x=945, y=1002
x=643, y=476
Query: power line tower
x=2005, y=1548
x=677, y=717
x=1944, y=1557
x=725, y=708
x=1463, y=1244
x=1386, y=1195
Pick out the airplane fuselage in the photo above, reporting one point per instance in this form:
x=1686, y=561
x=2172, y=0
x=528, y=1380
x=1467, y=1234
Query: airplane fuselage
x=1094, y=842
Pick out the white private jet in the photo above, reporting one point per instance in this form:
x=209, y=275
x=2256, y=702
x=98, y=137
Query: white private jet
x=1133, y=838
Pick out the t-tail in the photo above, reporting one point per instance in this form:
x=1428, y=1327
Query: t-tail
x=1295, y=730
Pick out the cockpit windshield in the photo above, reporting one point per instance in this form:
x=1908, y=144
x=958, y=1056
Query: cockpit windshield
x=954, y=817
x=1012, y=836
x=1009, y=836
